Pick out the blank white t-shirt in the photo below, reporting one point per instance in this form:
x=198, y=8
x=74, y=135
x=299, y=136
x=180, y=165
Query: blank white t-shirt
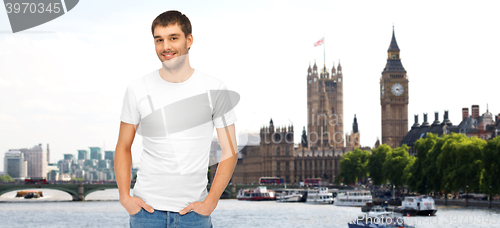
x=174, y=165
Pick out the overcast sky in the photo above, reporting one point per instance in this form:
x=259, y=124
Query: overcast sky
x=63, y=82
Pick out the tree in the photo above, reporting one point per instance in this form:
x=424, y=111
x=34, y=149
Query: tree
x=407, y=171
x=353, y=166
x=416, y=179
x=461, y=162
x=395, y=163
x=376, y=162
x=491, y=167
x=6, y=178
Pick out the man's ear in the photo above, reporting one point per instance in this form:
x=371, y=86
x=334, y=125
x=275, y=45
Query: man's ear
x=189, y=40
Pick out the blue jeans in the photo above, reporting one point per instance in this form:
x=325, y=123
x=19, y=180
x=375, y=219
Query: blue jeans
x=169, y=219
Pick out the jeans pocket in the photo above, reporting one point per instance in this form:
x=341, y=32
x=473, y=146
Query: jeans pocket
x=137, y=212
x=204, y=216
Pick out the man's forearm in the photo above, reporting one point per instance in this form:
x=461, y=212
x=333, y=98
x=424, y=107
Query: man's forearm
x=123, y=168
x=224, y=173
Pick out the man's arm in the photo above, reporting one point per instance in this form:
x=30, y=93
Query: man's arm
x=123, y=158
x=228, y=160
x=123, y=168
x=227, y=141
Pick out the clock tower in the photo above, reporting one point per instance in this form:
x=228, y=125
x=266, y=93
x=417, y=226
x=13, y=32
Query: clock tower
x=394, y=97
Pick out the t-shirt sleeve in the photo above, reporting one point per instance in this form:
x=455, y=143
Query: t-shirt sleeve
x=130, y=113
x=223, y=107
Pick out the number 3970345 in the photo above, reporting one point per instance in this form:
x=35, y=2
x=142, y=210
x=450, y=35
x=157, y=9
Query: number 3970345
x=33, y=8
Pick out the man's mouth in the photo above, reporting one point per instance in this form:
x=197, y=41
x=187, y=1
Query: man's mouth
x=169, y=55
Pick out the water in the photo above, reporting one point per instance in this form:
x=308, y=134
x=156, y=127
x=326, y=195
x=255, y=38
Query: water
x=102, y=209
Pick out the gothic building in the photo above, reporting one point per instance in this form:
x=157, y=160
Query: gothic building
x=394, y=97
x=321, y=147
x=325, y=107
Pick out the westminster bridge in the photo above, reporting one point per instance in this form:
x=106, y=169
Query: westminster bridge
x=79, y=190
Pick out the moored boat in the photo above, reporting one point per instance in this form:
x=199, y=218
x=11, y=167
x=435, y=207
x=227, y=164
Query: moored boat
x=378, y=211
x=319, y=195
x=356, y=198
x=417, y=205
x=290, y=195
x=256, y=194
x=30, y=194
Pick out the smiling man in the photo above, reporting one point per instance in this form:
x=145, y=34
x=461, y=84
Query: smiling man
x=170, y=189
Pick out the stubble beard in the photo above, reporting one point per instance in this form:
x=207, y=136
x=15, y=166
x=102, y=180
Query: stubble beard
x=176, y=63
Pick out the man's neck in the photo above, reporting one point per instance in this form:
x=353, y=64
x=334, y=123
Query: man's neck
x=177, y=75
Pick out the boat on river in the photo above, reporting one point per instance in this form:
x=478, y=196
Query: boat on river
x=256, y=194
x=353, y=198
x=29, y=194
x=291, y=195
x=319, y=195
x=417, y=205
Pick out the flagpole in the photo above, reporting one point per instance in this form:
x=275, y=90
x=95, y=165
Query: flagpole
x=324, y=55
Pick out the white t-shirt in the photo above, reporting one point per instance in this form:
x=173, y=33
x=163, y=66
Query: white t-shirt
x=174, y=164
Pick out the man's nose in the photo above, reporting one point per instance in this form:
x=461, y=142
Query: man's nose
x=167, y=45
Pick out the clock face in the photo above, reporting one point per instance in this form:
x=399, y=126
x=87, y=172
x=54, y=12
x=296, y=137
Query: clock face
x=340, y=79
x=309, y=81
x=382, y=90
x=397, y=89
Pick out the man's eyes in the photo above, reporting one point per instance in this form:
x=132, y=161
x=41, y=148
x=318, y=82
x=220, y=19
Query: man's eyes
x=171, y=38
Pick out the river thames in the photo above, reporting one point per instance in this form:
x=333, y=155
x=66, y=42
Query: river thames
x=102, y=209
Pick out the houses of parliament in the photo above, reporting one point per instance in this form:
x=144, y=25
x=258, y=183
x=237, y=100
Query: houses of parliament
x=323, y=141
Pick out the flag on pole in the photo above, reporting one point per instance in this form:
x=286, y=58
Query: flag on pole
x=320, y=42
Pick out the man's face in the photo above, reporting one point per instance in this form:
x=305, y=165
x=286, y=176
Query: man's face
x=171, y=43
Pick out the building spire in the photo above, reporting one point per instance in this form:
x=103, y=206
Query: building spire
x=393, y=59
x=355, y=125
x=394, y=45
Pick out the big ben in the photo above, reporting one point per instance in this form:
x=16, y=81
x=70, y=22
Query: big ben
x=394, y=97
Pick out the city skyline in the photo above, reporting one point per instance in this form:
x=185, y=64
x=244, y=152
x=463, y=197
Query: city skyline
x=63, y=82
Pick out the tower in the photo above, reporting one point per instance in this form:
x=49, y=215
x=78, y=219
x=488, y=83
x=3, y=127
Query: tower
x=394, y=97
x=325, y=110
x=353, y=139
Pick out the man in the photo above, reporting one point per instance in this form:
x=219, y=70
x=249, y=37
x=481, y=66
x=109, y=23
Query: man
x=162, y=106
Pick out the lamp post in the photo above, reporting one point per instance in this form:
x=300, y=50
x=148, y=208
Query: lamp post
x=489, y=199
x=445, y=196
x=425, y=189
x=467, y=196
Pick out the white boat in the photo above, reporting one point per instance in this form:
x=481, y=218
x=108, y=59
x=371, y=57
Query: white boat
x=417, y=205
x=378, y=211
x=319, y=196
x=353, y=198
x=290, y=195
x=256, y=194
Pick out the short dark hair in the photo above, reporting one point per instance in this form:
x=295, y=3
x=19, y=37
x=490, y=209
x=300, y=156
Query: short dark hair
x=172, y=17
